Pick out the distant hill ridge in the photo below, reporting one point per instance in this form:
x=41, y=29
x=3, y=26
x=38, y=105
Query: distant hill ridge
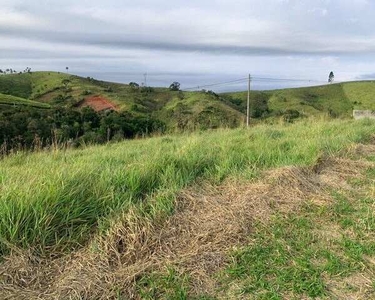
x=185, y=109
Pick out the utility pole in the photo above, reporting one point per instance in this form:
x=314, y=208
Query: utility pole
x=145, y=75
x=248, y=103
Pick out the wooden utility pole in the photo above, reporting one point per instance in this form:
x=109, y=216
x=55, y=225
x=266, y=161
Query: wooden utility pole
x=248, y=103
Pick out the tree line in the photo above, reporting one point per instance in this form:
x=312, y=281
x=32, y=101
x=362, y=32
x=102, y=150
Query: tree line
x=29, y=128
x=12, y=71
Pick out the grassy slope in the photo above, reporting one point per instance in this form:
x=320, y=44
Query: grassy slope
x=181, y=110
x=53, y=201
x=341, y=98
x=192, y=109
x=198, y=109
x=361, y=94
x=16, y=85
x=30, y=85
x=27, y=87
x=56, y=200
x=12, y=100
x=44, y=82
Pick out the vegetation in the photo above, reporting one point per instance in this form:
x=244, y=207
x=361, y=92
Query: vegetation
x=175, y=86
x=331, y=77
x=53, y=203
x=335, y=100
x=288, y=257
x=16, y=85
x=27, y=128
x=77, y=190
x=176, y=109
x=9, y=100
x=319, y=252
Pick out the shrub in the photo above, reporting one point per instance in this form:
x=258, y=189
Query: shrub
x=290, y=115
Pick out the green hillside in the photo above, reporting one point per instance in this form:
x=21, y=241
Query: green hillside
x=177, y=109
x=190, y=110
x=16, y=101
x=337, y=100
x=30, y=85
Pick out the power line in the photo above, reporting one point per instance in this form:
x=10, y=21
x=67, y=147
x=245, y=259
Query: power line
x=253, y=79
x=216, y=84
x=287, y=79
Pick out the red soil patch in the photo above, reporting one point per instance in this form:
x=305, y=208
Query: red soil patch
x=98, y=103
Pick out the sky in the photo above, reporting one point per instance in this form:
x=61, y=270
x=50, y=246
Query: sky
x=194, y=42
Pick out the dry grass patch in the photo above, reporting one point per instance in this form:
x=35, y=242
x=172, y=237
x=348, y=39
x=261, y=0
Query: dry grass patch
x=364, y=150
x=357, y=286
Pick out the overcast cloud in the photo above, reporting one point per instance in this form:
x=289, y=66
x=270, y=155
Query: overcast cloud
x=194, y=42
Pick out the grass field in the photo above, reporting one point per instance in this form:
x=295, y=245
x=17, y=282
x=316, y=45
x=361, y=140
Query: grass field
x=16, y=85
x=15, y=101
x=57, y=199
x=54, y=203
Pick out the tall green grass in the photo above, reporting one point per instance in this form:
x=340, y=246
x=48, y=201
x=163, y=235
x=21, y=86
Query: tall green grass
x=56, y=200
x=16, y=101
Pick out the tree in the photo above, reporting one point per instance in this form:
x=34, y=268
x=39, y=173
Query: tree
x=175, y=86
x=134, y=85
x=331, y=77
x=27, y=70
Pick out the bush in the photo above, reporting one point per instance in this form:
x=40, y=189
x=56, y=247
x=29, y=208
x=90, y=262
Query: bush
x=134, y=85
x=86, y=92
x=212, y=93
x=147, y=90
x=290, y=115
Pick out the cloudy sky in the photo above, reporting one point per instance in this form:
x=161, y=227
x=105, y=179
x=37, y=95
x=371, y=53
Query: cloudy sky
x=195, y=42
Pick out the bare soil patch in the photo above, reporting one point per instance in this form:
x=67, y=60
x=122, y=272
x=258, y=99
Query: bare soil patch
x=98, y=103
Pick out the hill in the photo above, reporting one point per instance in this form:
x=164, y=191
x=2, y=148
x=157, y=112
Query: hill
x=188, y=110
x=267, y=213
x=31, y=85
x=336, y=100
x=177, y=109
